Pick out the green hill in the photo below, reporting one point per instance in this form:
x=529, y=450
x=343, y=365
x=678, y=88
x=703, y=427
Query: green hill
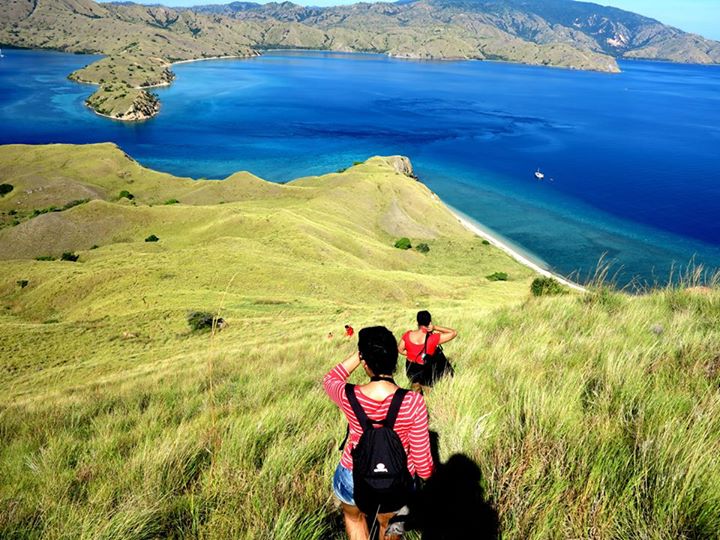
x=589, y=415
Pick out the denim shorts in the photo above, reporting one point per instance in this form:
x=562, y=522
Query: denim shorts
x=343, y=485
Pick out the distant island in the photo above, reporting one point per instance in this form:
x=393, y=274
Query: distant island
x=140, y=43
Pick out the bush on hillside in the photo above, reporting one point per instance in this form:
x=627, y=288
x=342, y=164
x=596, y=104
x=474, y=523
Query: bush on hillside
x=40, y=211
x=5, y=189
x=203, y=321
x=172, y=201
x=486, y=242
x=45, y=258
x=69, y=256
x=22, y=283
x=76, y=202
x=498, y=276
x=152, y=238
x=546, y=286
x=403, y=243
x=125, y=194
x=422, y=247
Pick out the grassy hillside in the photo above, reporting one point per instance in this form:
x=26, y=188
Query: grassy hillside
x=589, y=416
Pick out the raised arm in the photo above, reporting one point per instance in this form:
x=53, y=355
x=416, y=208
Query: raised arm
x=335, y=379
x=446, y=334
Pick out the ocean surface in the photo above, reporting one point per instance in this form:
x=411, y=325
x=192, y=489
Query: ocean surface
x=632, y=161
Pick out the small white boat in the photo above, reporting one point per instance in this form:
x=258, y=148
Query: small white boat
x=539, y=175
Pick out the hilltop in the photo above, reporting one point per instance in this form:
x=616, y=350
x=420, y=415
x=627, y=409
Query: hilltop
x=586, y=415
x=346, y=222
x=140, y=42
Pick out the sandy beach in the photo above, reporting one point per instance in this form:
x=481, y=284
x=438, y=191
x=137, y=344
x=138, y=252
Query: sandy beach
x=208, y=58
x=475, y=228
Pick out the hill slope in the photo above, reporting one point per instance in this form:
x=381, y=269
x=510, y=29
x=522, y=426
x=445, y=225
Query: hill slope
x=141, y=42
x=589, y=415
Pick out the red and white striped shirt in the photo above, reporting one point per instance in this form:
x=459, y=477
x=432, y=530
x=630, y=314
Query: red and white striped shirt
x=411, y=424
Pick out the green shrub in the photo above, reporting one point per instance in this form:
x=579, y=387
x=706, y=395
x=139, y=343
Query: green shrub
x=45, y=258
x=422, y=247
x=403, y=243
x=152, y=238
x=5, y=189
x=94, y=246
x=202, y=321
x=172, y=201
x=125, y=194
x=486, y=242
x=66, y=206
x=546, y=286
x=22, y=283
x=47, y=210
x=76, y=202
x=69, y=256
x=498, y=276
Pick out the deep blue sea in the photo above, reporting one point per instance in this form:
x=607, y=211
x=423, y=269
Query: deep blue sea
x=632, y=161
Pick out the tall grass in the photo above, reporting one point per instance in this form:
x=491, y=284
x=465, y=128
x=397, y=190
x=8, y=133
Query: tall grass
x=589, y=416
x=585, y=420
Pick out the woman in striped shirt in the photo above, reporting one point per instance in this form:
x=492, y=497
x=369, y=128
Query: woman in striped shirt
x=378, y=354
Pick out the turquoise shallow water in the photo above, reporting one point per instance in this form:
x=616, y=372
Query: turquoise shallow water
x=631, y=160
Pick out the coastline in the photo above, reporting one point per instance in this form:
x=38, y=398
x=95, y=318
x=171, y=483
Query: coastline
x=476, y=228
x=157, y=85
x=210, y=58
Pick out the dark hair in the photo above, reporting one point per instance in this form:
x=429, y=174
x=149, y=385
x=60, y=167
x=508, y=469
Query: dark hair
x=378, y=348
x=424, y=318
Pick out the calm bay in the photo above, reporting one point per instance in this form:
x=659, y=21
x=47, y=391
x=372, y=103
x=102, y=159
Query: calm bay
x=631, y=161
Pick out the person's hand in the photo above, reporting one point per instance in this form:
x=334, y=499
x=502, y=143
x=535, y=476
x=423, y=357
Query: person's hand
x=352, y=361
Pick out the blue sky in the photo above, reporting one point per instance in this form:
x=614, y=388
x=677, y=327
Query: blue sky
x=699, y=16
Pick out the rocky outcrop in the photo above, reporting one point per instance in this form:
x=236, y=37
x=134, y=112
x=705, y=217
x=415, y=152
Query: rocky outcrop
x=144, y=106
x=121, y=102
x=400, y=164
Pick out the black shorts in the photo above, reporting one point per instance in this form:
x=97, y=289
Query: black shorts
x=418, y=373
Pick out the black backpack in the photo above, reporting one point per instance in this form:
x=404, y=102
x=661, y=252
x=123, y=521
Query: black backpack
x=436, y=364
x=381, y=480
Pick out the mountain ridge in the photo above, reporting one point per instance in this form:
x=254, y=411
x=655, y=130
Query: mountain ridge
x=141, y=42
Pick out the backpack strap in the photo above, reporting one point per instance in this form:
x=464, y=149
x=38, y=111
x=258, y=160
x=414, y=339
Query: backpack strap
x=421, y=354
x=394, y=409
x=365, y=422
x=345, y=440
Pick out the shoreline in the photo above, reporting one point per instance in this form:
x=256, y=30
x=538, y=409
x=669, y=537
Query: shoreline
x=476, y=228
x=236, y=56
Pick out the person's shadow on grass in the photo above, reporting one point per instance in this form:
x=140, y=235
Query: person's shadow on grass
x=452, y=503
